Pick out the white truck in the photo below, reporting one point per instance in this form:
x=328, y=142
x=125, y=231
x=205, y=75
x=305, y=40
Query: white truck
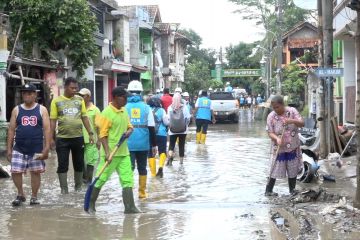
x=225, y=106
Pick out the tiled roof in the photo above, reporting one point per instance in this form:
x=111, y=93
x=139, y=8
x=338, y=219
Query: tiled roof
x=163, y=27
x=297, y=27
x=179, y=36
x=154, y=12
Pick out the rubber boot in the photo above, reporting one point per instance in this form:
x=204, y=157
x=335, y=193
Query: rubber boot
x=142, y=186
x=170, y=158
x=181, y=160
x=292, y=184
x=198, y=137
x=63, y=183
x=78, y=178
x=152, y=166
x=203, y=138
x=269, y=188
x=162, y=160
x=128, y=199
x=89, y=173
x=94, y=195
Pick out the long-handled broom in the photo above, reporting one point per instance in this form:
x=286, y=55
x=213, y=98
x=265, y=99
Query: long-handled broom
x=91, y=185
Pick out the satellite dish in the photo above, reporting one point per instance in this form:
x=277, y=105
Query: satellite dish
x=306, y=4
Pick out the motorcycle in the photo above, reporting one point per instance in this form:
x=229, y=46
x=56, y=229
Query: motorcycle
x=310, y=141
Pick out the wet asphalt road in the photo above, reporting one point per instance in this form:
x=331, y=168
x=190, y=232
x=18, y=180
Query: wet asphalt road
x=216, y=194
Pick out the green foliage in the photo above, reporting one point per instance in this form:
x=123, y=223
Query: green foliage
x=195, y=52
x=199, y=64
x=54, y=25
x=263, y=12
x=240, y=57
x=197, y=75
x=294, y=79
x=214, y=83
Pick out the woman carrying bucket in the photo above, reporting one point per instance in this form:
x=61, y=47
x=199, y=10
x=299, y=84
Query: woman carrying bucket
x=286, y=160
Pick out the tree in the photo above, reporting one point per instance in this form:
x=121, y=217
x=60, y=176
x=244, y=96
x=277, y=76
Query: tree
x=264, y=13
x=197, y=76
x=199, y=64
x=294, y=81
x=55, y=25
x=240, y=57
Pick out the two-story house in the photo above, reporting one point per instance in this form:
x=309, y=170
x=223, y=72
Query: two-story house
x=141, y=21
x=344, y=24
x=173, y=53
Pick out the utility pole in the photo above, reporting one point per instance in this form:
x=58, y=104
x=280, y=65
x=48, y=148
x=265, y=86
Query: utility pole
x=321, y=100
x=328, y=31
x=279, y=46
x=355, y=5
x=4, y=53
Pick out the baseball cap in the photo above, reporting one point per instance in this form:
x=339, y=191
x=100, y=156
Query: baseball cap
x=29, y=88
x=84, y=91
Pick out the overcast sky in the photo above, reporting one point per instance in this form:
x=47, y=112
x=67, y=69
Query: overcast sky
x=213, y=20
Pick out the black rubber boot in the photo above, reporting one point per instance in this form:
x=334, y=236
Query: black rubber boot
x=63, y=183
x=78, y=179
x=160, y=172
x=94, y=195
x=89, y=173
x=269, y=188
x=292, y=185
x=128, y=199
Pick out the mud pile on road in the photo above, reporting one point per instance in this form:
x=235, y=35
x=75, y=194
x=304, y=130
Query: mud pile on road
x=313, y=213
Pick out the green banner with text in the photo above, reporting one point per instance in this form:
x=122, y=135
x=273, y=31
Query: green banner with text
x=237, y=73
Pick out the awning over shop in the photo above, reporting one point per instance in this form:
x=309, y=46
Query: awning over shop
x=119, y=66
x=139, y=69
x=115, y=65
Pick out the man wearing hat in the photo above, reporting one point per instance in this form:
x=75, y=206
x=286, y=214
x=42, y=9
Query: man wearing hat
x=28, y=142
x=91, y=152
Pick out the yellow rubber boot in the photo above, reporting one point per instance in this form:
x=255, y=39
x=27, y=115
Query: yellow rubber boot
x=203, y=138
x=152, y=166
x=142, y=186
x=162, y=160
x=198, y=137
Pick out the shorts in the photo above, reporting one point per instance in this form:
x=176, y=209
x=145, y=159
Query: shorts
x=22, y=162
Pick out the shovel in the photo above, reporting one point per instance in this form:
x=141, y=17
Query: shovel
x=91, y=185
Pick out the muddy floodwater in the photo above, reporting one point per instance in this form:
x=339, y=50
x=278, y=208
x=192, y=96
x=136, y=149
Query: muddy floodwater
x=217, y=194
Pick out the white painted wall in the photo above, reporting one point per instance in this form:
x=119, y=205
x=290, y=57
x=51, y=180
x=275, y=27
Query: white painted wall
x=349, y=63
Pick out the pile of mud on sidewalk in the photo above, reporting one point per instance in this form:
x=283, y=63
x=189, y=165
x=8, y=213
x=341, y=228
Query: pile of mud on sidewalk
x=313, y=213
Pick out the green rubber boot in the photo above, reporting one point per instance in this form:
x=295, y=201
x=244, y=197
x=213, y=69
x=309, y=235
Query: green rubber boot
x=63, y=183
x=78, y=178
x=94, y=195
x=128, y=199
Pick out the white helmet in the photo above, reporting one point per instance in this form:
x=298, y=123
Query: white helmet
x=157, y=90
x=186, y=94
x=135, y=86
x=179, y=90
x=210, y=89
x=227, y=83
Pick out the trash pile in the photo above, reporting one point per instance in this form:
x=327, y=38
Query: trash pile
x=311, y=211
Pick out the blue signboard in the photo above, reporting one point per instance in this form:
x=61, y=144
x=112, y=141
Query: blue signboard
x=329, y=72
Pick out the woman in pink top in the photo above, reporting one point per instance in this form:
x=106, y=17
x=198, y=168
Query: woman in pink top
x=288, y=162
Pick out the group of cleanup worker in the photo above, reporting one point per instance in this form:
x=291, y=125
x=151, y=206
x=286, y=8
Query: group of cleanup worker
x=76, y=125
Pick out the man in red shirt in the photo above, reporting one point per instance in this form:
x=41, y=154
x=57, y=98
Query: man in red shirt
x=166, y=99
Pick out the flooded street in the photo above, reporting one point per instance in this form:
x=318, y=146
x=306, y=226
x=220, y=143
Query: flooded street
x=217, y=194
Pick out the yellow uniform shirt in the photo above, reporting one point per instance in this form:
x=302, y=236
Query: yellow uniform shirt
x=68, y=112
